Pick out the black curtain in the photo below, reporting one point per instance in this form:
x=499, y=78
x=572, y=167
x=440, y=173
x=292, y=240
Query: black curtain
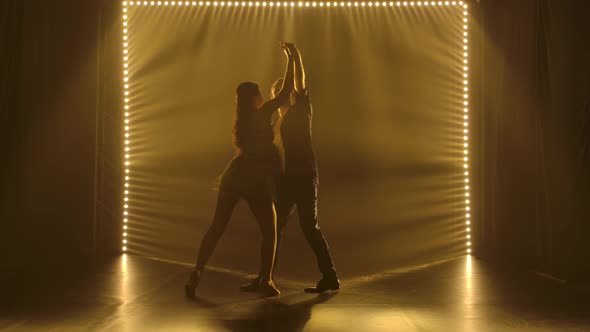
x=533, y=93
x=11, y=134
x=48, y=104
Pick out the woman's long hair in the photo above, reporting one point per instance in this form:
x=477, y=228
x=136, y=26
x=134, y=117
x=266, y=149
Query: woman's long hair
x=245, y=94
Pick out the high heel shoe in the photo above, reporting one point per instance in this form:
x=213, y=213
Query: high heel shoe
x=268, y=288
x=193, y=281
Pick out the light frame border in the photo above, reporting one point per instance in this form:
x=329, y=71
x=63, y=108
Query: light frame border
x=289, y=4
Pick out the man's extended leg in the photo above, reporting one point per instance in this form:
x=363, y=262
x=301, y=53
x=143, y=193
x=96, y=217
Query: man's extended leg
x=306, y=200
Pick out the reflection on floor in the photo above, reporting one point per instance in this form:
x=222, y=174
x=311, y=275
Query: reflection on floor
x=138, y=294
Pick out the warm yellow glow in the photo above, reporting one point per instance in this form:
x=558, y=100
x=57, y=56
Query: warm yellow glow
x=465, y=68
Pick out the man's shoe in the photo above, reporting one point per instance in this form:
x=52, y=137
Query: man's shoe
x=252, y=286
x=268, y=288
x=193, y=281
x=325, y=284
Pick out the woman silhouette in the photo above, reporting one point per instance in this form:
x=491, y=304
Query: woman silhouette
x=250, y=175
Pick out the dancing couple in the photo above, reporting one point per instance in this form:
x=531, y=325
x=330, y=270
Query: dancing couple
x=274, y=170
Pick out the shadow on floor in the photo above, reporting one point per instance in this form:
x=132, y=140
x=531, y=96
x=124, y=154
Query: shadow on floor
x=285, y=314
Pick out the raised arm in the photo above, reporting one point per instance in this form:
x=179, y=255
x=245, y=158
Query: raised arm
x=282, y=97
x=300, y=87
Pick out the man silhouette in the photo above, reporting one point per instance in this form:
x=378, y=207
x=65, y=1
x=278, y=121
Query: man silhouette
x=298, y=186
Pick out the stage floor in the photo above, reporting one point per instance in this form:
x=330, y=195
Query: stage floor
x=133, y=293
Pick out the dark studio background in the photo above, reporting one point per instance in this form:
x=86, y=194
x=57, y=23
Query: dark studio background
x=60, y=94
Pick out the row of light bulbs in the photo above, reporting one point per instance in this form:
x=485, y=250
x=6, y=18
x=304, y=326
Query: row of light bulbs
x=466, y=130
x=294, y=4
x=126, y=142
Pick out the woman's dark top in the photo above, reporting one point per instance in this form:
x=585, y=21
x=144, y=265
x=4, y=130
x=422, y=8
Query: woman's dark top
x=257, y=143
x=253, y=171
